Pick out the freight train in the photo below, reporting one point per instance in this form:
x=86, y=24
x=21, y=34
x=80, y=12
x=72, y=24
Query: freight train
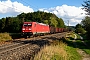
x=35, y=28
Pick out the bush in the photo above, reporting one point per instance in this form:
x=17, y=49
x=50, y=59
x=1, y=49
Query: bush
x=5, y=37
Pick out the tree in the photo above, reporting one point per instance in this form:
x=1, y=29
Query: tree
x=78, y=26
x=22, y=16
x=2, y=24
x=86, y=21
x=86, y=24
x=7, y=24
x=60, y=23
x=79, y=29
x=53, y=22
x=14, y=24
x=86, y=6
x=46, y=22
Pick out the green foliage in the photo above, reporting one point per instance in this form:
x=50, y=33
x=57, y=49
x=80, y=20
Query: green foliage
x=14, y=24
x=53, y=22
x=79, y=29
x=78, y=26
x=73, y=54
x=86, y=25
x=86, y=6
x=2, y=24
x=86, y=21
x=47, y=22
x=10, y=24
x=57, y=57
x=60, y=23
x=79, y=44
x=87, y=51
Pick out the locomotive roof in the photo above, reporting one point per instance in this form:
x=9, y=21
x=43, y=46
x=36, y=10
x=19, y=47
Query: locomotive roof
x=43, y=24
x=37, y=23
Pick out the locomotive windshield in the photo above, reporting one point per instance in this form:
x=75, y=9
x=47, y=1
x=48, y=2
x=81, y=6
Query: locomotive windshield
x=27, y=24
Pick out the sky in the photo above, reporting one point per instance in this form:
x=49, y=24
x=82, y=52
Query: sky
x=69, y=10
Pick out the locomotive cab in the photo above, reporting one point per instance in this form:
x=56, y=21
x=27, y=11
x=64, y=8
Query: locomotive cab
x=34, y=28
x=28, y=28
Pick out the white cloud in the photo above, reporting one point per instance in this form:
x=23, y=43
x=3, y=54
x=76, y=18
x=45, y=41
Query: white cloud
x=13, y=8
x=71, y=13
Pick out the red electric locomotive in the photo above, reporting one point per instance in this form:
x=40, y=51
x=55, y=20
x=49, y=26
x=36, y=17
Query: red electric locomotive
x=33, y=28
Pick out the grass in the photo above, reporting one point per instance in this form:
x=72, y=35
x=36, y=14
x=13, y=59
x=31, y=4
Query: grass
x=59, y=51
x=87, y=51
x=80, y=44
x=70, y=36
x=52, y=52
x=83, y=47
x=63, y=50
x=5, y=37
x=78, y=36
x=88, y=42
x=73, y=54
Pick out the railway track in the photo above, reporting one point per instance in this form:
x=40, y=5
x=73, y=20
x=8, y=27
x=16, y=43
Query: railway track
x=16, y=51
x=10, y=47
x=24, y=49
x=7, y=50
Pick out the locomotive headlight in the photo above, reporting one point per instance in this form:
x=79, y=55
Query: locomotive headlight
x=23, y=29
x=29, y=29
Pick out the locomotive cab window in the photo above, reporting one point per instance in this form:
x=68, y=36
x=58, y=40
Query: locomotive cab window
x=27, y=25
x=24, y=24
